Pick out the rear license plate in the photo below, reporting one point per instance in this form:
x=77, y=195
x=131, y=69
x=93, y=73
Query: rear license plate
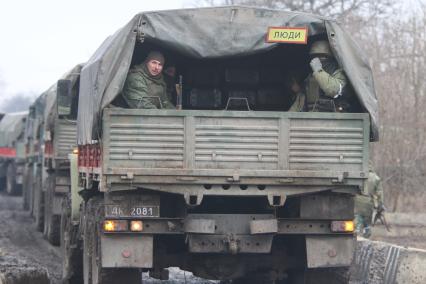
x=132, y=211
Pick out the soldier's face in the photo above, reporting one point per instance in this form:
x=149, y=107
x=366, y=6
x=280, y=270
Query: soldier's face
x=154, y=67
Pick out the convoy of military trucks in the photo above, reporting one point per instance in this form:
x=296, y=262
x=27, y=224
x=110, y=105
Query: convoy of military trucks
x=230, y=187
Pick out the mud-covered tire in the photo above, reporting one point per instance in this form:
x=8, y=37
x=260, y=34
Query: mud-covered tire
x=71, y=245
x=38, y=202
x=52, y=222
x=252, y=280
x=53, y=230
x=93, y=273
x=26, y=188
x=11, y=187
x=30, y=189
x=338, y=275
x=2, y=183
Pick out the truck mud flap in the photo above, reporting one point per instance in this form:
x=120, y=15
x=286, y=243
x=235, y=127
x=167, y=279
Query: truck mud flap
x=127, y=251
x=329, y=251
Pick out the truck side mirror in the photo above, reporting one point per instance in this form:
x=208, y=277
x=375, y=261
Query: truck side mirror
x=31, y=113
x=63, y=97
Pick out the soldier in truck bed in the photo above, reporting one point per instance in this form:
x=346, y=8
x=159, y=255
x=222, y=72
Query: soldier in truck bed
x=325, y=86
x=145, y=86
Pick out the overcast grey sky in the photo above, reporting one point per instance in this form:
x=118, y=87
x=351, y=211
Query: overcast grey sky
x=42, y=39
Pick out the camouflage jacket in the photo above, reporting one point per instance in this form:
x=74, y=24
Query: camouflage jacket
x=317, y=85
x=142, y=90
x=371, y=197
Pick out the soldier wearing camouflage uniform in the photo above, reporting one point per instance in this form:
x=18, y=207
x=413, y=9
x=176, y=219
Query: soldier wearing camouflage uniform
x=145, y=86
x=324, y=85
x=368, y=203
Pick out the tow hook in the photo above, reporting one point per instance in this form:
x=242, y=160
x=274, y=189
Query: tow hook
x=233, y=244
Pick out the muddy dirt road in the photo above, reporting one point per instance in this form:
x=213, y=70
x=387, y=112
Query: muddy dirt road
x=23, y=251
x=26, y=257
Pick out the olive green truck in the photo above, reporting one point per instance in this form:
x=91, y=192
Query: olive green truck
x=50, y=135
x=12, y=151
x=60, y=139
x=233, y=186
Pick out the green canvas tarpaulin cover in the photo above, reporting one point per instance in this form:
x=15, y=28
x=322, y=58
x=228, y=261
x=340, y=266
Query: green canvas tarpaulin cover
x=50, y=96
x=44, y=106
x=11, y=128
x=33, y=123
x=207, y=33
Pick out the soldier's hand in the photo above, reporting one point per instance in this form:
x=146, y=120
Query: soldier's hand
x=380, y=208
x=316, y=64
x=295, y=87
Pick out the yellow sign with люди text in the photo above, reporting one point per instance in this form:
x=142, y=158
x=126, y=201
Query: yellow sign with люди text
x=287, y=35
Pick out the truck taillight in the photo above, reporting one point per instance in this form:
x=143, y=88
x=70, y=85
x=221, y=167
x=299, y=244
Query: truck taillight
x=342, y=226
x=116, y=225
x=136, y=226
x=122, y=226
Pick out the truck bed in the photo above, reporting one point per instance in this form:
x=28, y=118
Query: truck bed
x=169, y=146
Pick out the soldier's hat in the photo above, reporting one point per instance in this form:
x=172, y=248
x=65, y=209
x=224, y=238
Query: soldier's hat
x=320, y=47
x=155, y=55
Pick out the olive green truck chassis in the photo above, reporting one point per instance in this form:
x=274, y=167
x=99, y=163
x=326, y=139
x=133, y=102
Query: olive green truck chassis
x=225, y=194
x=61, y=142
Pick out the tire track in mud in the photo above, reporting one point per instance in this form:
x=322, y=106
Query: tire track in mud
x=25, y=257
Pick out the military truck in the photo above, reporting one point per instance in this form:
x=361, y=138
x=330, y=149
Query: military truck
x=60, y=139
x=33, y=172
x=12, y=152
x=233, y=186
x=51, y=136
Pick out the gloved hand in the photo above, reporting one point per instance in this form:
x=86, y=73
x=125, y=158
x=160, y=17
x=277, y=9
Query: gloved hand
x=295, y=87
x=380, y=208
x=316, y=64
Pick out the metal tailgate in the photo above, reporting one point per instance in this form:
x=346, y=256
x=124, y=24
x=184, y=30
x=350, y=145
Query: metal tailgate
x=222, y=142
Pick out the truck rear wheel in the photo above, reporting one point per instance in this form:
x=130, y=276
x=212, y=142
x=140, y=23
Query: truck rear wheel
x=92, y=267
x=2, y=183
x=52, y=229
x=25, y=188
x=11, y=187
x=252, y=280
x=38, y=201
x=52, y=221
x=30, y=189
x=72, y=268
x=321, y=276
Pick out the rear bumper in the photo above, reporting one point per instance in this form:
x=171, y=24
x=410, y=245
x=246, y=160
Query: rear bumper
x=321, y=247
x=180, y=226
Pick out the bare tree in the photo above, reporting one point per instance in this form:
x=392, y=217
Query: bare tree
x=398, y=56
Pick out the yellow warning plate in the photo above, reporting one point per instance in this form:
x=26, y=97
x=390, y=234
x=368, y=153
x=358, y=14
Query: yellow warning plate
x=287, y=35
